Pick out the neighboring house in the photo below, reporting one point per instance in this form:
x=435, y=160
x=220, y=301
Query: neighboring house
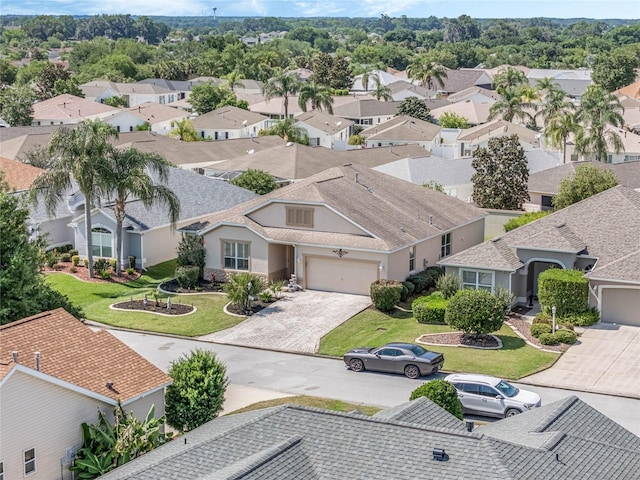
x=366, y=111
x=544, y=185
x=159, y=117
x=325, y=130
x=274, y=107
x=573, y=82
x=474, y=94
x=229, y=122
x=133, y=93
x=598, y=235
x=401, y=89
x=630, y=148
x=402, y=130
x=458, y=80
x=340, y=230
x=55, y=374
x=19, y=176
x=476, y=112
x=479, y=136
x=385, y=79
x=632, y=90
x=68, y=109
x=567, y=439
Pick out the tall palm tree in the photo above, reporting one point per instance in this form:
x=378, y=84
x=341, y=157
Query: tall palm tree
x=381, y=91
x=599, y=110
x=510, y=105
x=283, y=84
x=427, y=72
x=234, y=79
x=319, y=96
x=509, y=77
x=366, y=76
x=558, y=129
x=80, y=155
x=129, y=175
x=183, y=130
x=554, y=102
x=288, y=130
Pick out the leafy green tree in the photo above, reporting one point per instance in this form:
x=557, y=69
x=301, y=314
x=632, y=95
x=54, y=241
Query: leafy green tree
x=288, y=130
x=8, y=72
x=183, y=130
x=615, y=69
x=257, y=181
x=284, y=84
x=502, y=174
x=50, y=75
x=433, y=185
x=16, y=105
x=586, y=180
x=599, y=110
x=414, y=107
x=81, y=157
x=191, y=252
x=453, y=120
x=475, y=312
x=197, y=392
x=207, y=97
x=528, y=217
x=318, y=96
x=116, y=101
x=23, y=291
x=443, y=394
x=128, y=176
x=427, y=72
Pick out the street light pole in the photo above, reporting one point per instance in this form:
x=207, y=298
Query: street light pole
x=553, y=319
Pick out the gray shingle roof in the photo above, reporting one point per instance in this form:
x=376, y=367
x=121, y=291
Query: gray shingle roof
x=366, y=108
x=403, y=128
x=422, y=412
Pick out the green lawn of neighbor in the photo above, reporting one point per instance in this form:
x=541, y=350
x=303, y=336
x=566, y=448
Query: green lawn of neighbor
x=317, y=402
x=373, y=328
x=95, y=299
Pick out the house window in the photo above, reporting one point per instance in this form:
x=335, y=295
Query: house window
x=445, y=245
x=547, y=202
x=1, y=470
x=101, y=242
x=412, y=258
x=299, y=217
x=477, y=280
x=236, y=255
x=29, y=461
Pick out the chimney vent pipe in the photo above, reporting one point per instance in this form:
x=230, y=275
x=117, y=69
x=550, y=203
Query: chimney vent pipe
x=37, y=355
x=15, y=357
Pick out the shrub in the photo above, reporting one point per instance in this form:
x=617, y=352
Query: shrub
x=75, y=260
x=407, y=290
x=131, y=271
x=187, y=276
x=73, y=269
x=425, y=279
x=132, y=261
x=57, y=266
x=113, y=263
x=51, y=259
x=505, y=297
x=565, y=336
x=567, y=290
x=100, y=264
x=449, y=285
x=584, y=319
x=191, y=252
x=276, y=287
x=548, y=339
x=73, y=251
x=523, y=220
x=542, y=318
x=241, y=288
x=105, y=274
x=442, y=393
x=430, y=309
x=85, y=262
x=475, y=312
x=538, y=329
x=65, y=257
x=567, y=325
x=385, y=294
x=197, y=392
x=266, y=297
x=356, y=140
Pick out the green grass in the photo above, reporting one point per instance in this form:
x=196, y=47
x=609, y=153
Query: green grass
x=95, y=299
x=317, y=402
x=373, y=328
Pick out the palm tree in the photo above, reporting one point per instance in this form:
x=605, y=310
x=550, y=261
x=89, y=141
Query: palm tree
x=80, y=155
x=599, y=110
x=283, y=84
x=183, y=130
x=381, y=91
x=234, y=79
x=288, y=130
x=366, y=76
x=128, y=177
x=558, y=129
x=427, y=72
x=319, y=96
x=510, y=105
x=509, y=77
x=554, y=102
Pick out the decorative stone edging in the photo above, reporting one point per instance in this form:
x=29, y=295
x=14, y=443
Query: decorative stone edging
x=460, y=345
x=226, y=310
x=166, y=292
x=195, y=309
x=517, y=332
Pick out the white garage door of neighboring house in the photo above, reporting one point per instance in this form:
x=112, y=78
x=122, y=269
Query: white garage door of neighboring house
x=621, y=305
x=340, y=275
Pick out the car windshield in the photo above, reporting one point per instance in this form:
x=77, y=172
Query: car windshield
x=417, y=350
x=506, y=388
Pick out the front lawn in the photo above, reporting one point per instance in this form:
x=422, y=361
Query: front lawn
x=316, y=402
x=373, y=328
x=95, y=299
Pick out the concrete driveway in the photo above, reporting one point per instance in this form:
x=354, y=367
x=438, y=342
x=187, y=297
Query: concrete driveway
x=295, y=323
x=606, y=360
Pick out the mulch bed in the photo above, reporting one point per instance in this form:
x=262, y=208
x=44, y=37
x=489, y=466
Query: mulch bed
x=82, y=273
x=204, y=286
x=523, y=327
x=459, y=338
x=255, y=308
x=153, y=307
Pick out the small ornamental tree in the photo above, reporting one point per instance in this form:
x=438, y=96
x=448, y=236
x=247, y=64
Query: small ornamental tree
x=197, y=392
x=257, y=181
x=385, y=294
x=475, y=312
x=502, y=174
x=191, y=253
x=414, y=107
x=567, y=290
x=453, y=120
x=443, y=394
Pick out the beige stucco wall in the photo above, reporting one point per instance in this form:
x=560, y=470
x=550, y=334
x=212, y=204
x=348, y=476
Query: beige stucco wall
x=324, y=220
x=258, y=249
x=494, y=222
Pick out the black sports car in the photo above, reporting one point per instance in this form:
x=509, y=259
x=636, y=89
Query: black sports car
x=407, y=358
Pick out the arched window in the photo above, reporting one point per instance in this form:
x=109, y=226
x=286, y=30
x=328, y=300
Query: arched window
x=102, y=242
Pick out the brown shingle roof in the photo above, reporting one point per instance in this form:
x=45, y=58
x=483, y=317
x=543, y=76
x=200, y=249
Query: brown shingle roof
x=72, y=352
x=498, y=128
x=18, y=175
x=69, y=107
x=403, y=128
x=227, y=117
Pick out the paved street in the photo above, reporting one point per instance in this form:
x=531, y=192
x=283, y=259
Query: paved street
x=252, y=372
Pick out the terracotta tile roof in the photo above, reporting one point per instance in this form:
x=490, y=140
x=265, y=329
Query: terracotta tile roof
x=632, y=90
x=72, y=352
x=18, y=175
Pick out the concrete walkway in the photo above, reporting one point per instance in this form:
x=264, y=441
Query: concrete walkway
x=606, y=360
x=295, y=323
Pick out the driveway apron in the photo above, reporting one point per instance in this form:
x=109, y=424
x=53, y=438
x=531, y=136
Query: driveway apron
x=295, y=323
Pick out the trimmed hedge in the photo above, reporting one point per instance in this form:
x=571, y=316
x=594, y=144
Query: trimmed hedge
x=425, y=279
x=65, y=257
x=430, y=309
x=475, y=312
x=542, y=318
x=385, y=294
x=567, y=290
x=538, y=329
x=566, y=336
x=407, y=289
x=583, y=319
x=75, y=260
x=187, y=276
x=548, y=339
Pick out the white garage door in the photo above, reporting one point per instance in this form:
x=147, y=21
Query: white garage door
x=621, y=305
x=340, y=275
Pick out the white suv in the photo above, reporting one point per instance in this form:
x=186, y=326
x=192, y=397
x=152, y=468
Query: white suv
x=491, y=396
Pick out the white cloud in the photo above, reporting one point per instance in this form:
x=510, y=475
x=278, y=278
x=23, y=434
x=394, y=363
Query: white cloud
x=321, y=9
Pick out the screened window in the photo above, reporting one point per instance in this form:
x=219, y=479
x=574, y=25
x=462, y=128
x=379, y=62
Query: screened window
x=29, y=461
x=445, y=248
x=236, y=255
x=476, y=280
x=299, y=217
x=412, y=258
x=102, y=242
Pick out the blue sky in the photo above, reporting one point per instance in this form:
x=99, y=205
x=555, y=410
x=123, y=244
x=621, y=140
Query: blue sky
x=629, y=9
